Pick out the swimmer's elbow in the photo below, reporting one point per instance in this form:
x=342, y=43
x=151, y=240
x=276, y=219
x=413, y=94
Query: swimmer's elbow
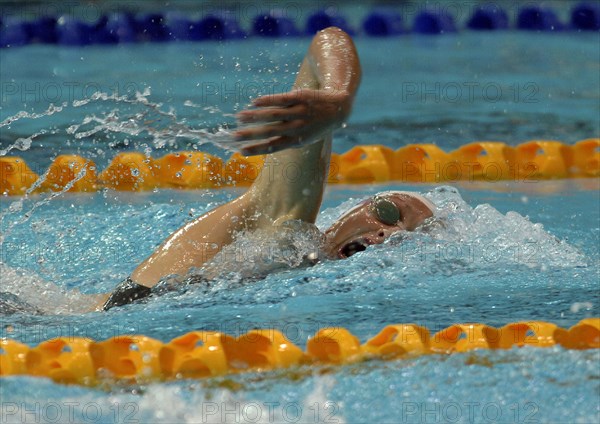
x=333, y=30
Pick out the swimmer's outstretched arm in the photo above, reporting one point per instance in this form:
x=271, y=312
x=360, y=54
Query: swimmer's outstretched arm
x=292, y=181
x=322, y=99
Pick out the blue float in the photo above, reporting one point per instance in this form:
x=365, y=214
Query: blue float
x=43, y=30
x=212, y=28
x=72, y=32
x=122, y=26
x=274, y=25
x=182, y=28
x=537, y=18
x=324, y=19
x=101, y=34
x=13, y=34
x=231, y=26
x=488, y=17
x=221, y=25
x=586, y=16
x=382, y=23
x=152, y=27
x=218, y=27
x=433, y=22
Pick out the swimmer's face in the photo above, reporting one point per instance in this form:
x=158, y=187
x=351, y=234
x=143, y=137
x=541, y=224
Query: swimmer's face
x=375, y=219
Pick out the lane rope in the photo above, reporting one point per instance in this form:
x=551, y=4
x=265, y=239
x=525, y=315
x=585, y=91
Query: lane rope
x=122, y=27
x=197, y=354
x=416, y=163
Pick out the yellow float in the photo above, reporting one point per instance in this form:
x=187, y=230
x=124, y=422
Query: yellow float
x=197, y=354
x=416, y=163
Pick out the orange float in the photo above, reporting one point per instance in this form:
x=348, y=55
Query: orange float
x=335, y=345
x=583, y=335
x=424, y=163
x=127, y=357
x=482, y=160
x=71, y=170
x=188, y=170
x=15, y=176
x=364, y=164
x=130, y=172
x=534, y=333
x=262, y=349
x=195, y=354
x=64, y=360
x=242, y=170
x=540, y=159
x=584, y=158
x=12, y=357
x=398, y=340
x=198, y=354
x=485, y=160
x=465, y=337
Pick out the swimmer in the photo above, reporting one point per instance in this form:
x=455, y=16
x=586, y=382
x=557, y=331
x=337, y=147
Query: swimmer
x=291, y=128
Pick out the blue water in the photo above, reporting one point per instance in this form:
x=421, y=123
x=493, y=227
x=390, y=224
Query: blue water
x=450, y=90
x=503, y=252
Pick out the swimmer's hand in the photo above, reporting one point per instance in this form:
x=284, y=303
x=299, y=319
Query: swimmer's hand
x=292, y=119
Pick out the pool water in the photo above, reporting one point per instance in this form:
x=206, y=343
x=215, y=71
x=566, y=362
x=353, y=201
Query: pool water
x=500, y=252
x=449, y=90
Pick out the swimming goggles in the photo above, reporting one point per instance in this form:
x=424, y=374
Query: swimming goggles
x=385, y=210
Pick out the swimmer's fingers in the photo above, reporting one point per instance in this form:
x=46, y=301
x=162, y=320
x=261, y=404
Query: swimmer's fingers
x=304, y=95
x=286, y=99
x=290, y=113
x=298, y=117
x=262, y=132
x=272, y=145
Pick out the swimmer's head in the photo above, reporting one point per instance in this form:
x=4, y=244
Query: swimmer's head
x=375, y=219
